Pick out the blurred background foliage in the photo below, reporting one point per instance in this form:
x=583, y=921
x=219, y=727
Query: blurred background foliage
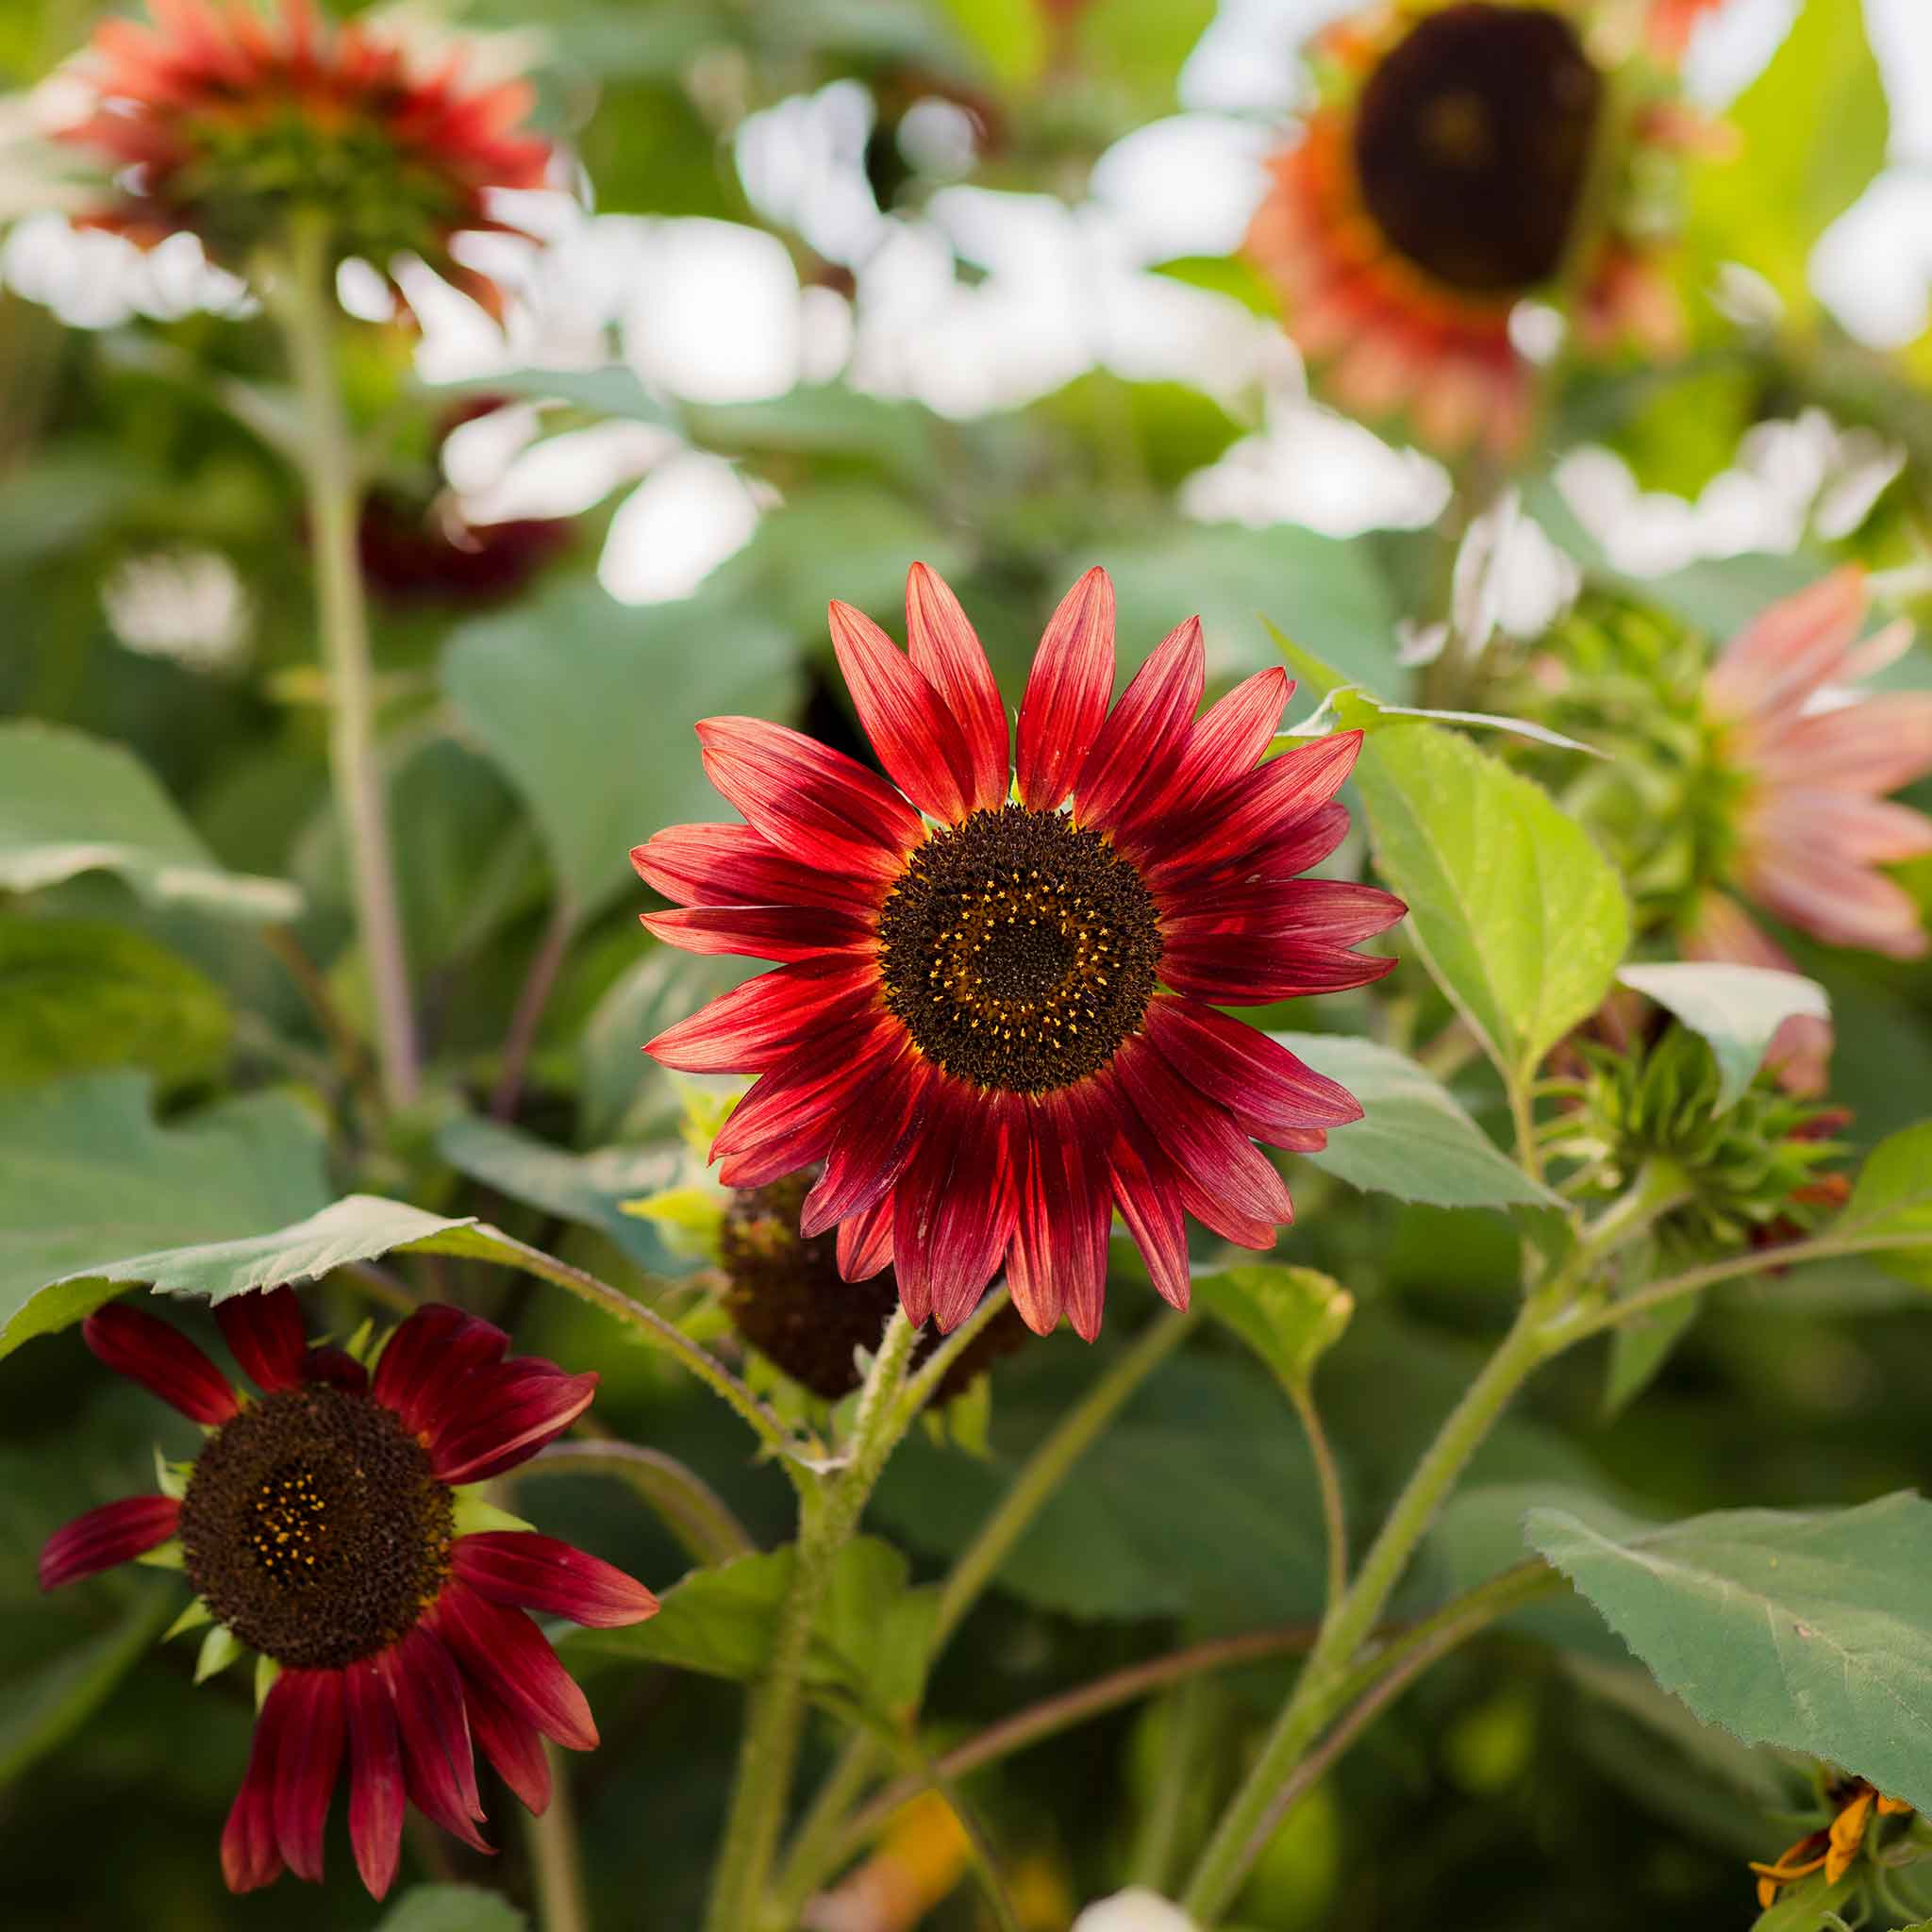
x=866, y=280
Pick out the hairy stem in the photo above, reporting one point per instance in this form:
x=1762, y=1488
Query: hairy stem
x=555, y=1865
x=1329, y=1478
x=686, y=1505
x=828, y=1514
x=304, y=299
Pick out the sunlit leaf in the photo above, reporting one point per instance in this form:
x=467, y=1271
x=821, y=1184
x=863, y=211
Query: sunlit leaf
x=1736, y=1008
x=1290, y=1317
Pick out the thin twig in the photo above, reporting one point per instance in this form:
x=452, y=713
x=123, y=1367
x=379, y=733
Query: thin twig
x=539, y=981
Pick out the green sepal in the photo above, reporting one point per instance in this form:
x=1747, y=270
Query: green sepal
x=476, y=1513
x=687, y=1219
x=219, y=1649
x=266, y=1672
x=166, y=1556
x=358, y=1344
x=170, y=1479
x=193, y=1618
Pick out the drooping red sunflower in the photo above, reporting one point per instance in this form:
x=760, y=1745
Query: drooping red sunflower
x=1439, y=182
x=994, y=1019
x=323, y=1525
x=225, y=122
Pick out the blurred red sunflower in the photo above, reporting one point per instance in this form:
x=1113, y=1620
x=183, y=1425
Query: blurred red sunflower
x=995, y=1022
x=226, y=123
x=1671, y=21
x=323, y=1525
x=1440, y=182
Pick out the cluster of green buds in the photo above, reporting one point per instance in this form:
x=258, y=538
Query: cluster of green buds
x=1752, y=1171
x=1627, y=680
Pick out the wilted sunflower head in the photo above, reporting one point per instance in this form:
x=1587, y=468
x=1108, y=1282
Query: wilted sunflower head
x=222, y=121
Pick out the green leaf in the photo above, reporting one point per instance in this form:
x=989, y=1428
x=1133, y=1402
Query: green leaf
x=1767, y=204
x=612, y=392
x=568, y=694
x=586, y=1188
x=71, y=804
x=41, y=1709
x=1200, y=1501
x=1893, y=1196
x=1413, y=1141
x=452, y=1908
x=870, y=1642
x=1640, y=1348
x=1810, y=1631
x=88, y=1176
x=1290, y=1317
x=1224, y=274
x=1737, y=1009
x=78, y=993
x=1519, y=917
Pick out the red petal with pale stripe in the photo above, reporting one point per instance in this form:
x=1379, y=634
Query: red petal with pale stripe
x=764, y=932
x=1066, y=697
x=375, y=1777
x=756, y=1025
x=307, y=1761
x=1142, y=730
x=871, y=1143
x=946, y=650
x=1149, y=1197
x=1233, y=971
x=523, y=1571
x=954, y=1208
x=144, y=1348
x=1180, y=881
x=1217, y=750
x=737, y=865
x=1267, y=1090
x=909, y=727
x=115, y=1533
x=263, y=1331
x=439, y=1765
x=1260, y=805
x=809, y=799
x=865, y=1245
x=505, y=1651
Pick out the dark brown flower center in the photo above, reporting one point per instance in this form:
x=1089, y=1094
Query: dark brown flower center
x=1472, y=143
x=1019, y=951
x=314, y=1529
x=787, y=1299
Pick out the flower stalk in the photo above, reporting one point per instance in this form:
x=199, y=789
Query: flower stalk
x=303, y=297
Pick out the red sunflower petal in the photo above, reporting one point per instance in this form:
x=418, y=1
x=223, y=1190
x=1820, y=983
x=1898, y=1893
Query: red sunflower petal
x=1038, y=1292
x=1147, y=725
x=802, y=1103
x=756, y=1025
x=1262, y=912
x=476, y=1349
x=509, y=1653
x=250, y=1855
x=1065, y=702
x=1220, y=747
x=809, y=799
x=1261, y=804
x=1070, y=1139
x=909, y=726
x=263, y=1331
x=511, y=1743
x=528, y=1571
x=1280, y=854
x=1201, y=1137
x=113, y=1534
x=409, y=1376
x=946, y=650
x=307, y=1762
x=1231, y=970
x=375, y=1777
x=513, y=1413
x=871, y=1143
x=1149, y=1196
x=954, y=1210
x=144, y=1349
x=439, y=1765
x=737, y=865
x=1265, y=1087
x=337, y=1368
x=763, y=932
x=865, y=1245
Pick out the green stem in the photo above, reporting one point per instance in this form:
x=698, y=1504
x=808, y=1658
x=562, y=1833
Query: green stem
x=816, y=1844
x=921, y=1389
x=1239, y=1836
x=689, y=1506
x=1158, y=1833
x=828, y=1514
x=555, y=1865
x=1329, y=1479
x=1523, y=1113
x=1047, y=1467
x=304, y=297
x=538, y=983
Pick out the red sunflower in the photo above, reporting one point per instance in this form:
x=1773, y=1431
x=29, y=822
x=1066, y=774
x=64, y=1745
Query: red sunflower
x=1441, y=181
x=994, y=1019
x=322, y=1526
x=223, y=122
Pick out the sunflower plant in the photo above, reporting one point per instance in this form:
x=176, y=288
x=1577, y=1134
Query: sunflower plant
x=1143, y=1271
